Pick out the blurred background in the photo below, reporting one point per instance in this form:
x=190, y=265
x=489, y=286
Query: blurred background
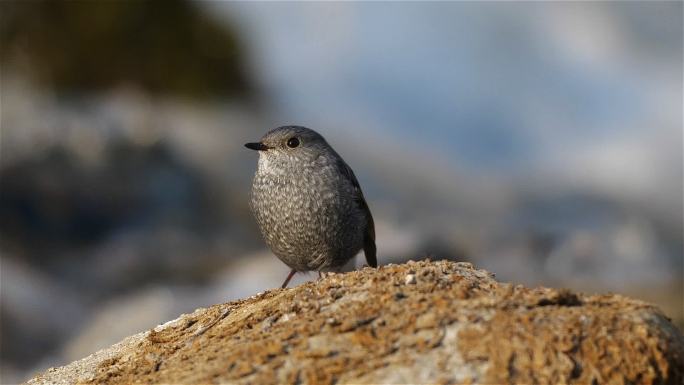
x=541, y=141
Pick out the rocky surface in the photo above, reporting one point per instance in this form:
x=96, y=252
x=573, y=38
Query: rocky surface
x=420, y=322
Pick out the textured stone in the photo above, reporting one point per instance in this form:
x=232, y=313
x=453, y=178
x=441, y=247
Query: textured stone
x=456, y=324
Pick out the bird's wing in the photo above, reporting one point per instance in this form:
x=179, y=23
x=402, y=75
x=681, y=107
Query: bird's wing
x=369, y=235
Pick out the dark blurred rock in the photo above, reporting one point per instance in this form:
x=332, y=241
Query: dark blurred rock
x=141, y=215
x=164, y=47
x=56, y=203
x=38, y=313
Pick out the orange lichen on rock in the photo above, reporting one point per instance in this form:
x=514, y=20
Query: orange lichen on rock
x=446, y=323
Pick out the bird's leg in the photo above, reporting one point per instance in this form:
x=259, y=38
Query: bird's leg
x=289, y=277
x=323, y=274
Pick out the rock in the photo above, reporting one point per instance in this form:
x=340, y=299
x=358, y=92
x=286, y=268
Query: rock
x=454, y=324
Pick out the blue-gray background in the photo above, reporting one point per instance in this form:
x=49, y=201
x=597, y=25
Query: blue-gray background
x=541, y=141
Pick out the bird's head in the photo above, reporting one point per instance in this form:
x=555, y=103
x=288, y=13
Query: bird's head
x=291, y=143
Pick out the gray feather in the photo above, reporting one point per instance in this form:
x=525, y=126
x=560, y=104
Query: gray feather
x=308, y=203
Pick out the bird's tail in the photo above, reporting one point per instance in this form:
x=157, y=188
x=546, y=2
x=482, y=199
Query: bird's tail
x=369, y=245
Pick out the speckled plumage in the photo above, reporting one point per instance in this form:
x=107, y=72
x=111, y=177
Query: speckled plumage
x=308, y=203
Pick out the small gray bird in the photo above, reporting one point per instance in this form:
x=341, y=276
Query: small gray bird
x=308, y=203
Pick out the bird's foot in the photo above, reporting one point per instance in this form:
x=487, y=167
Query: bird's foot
x=323, y=274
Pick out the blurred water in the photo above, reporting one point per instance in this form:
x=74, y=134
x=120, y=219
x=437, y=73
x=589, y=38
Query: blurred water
x=435, y=68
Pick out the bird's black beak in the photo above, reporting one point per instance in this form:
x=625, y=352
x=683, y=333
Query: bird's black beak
x=257, y=146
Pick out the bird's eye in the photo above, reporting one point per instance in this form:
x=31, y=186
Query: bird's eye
x=292, y=142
